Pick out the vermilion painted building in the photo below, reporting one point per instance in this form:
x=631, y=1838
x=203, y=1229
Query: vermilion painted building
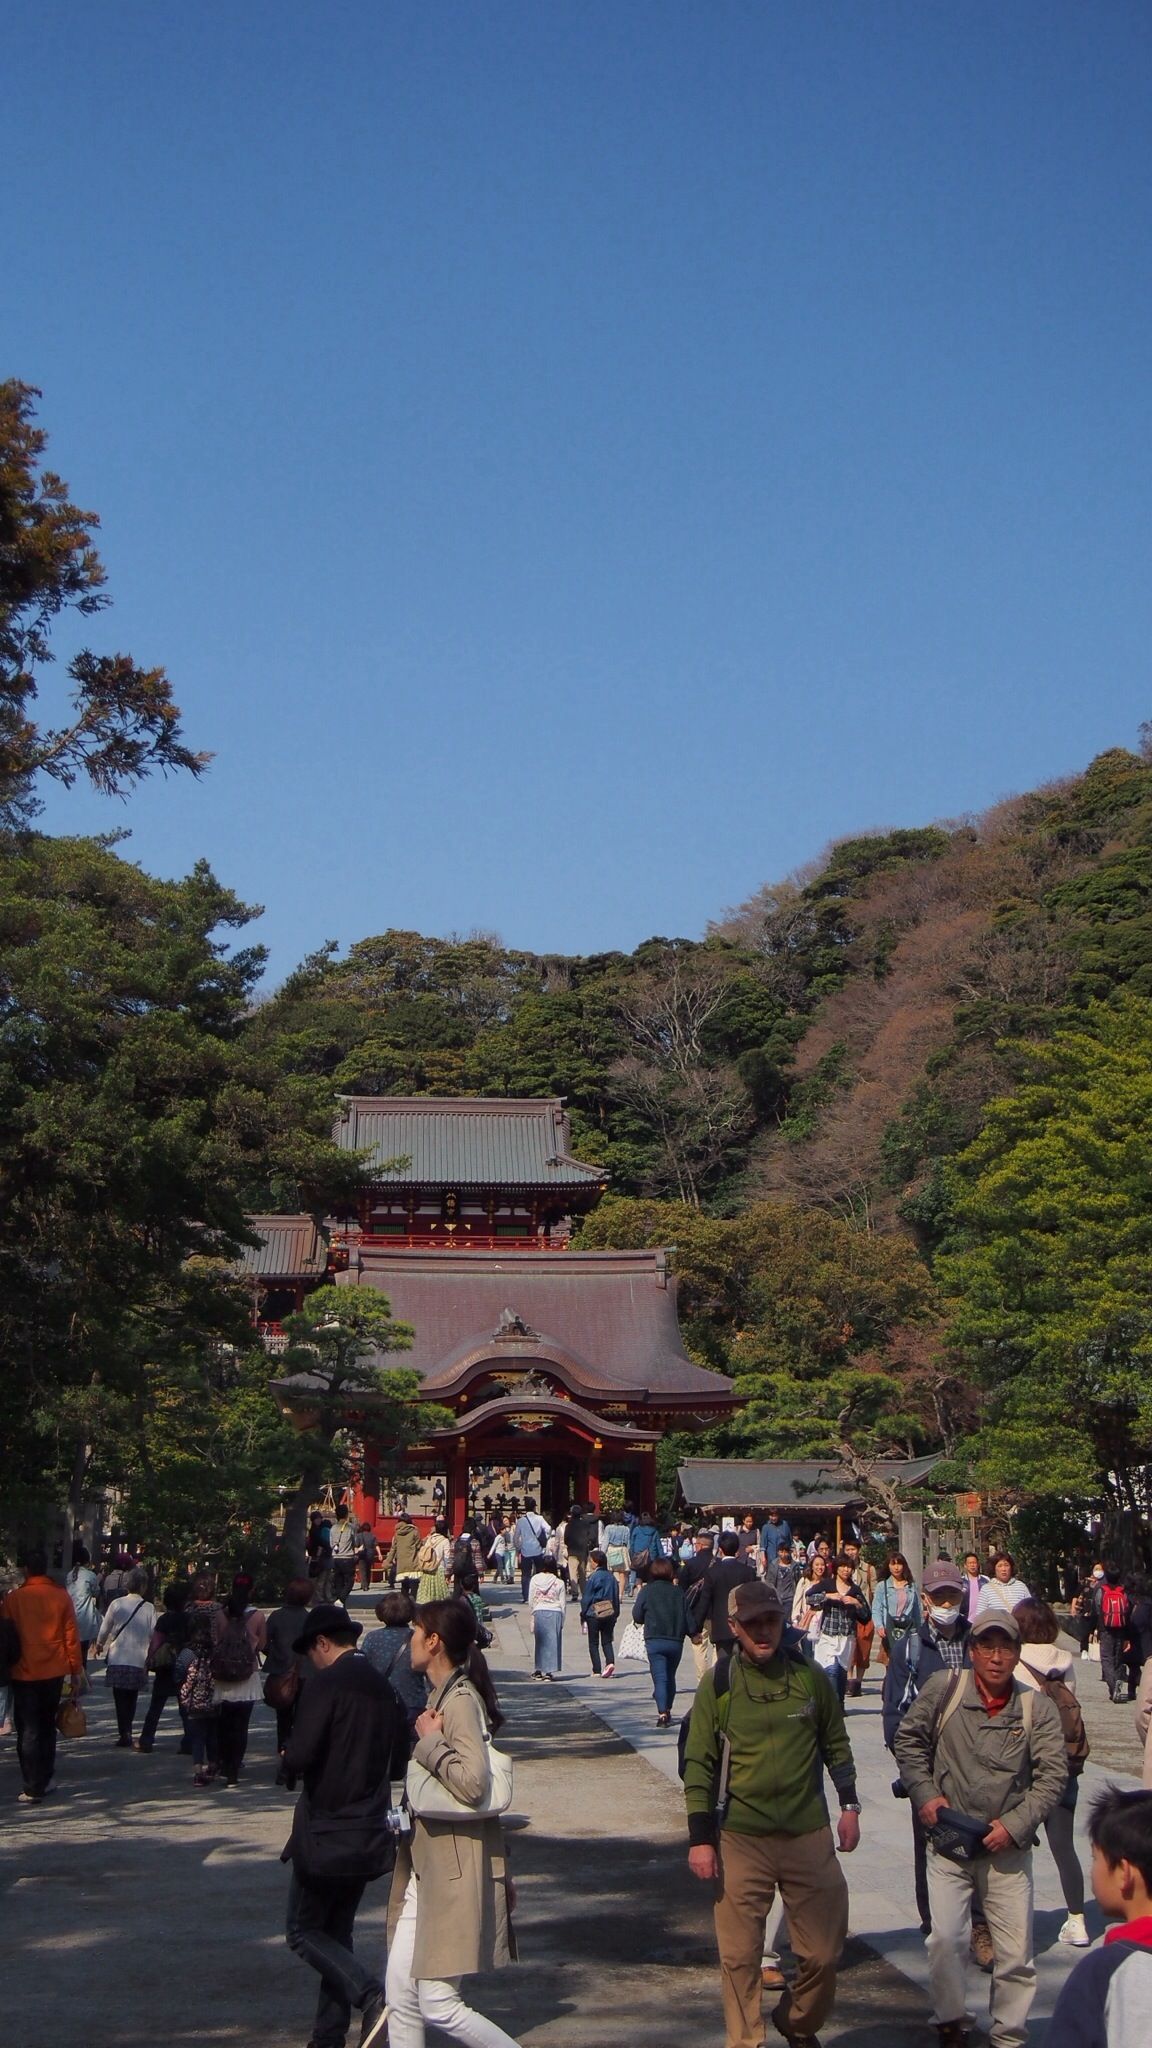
x=562, y=1368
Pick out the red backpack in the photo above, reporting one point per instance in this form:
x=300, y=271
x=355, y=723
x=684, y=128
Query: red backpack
x=1115, y=1607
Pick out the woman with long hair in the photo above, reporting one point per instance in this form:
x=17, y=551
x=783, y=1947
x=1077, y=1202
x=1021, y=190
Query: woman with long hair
x=896, y=1609
x=448, y=1914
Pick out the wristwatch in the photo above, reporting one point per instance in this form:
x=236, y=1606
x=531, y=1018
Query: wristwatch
x=850, y=1806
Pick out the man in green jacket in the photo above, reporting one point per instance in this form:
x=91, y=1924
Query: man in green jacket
x=757, y=1818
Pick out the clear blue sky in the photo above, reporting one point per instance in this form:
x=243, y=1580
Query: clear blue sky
x=575, y=457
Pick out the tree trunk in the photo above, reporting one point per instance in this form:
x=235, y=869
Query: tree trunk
x=296, y=1514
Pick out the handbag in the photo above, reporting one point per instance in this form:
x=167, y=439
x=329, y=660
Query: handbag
x=604, y=1610
x=198, y=1692
x=632, y=1643
x=429, y=1799
x=71, y=1720
x=280, y=1692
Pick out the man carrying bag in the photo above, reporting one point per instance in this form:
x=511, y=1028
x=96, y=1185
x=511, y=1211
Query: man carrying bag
x=349, y=1740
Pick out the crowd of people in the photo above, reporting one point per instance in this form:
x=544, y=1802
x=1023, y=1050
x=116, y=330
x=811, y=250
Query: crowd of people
x=386, y=1736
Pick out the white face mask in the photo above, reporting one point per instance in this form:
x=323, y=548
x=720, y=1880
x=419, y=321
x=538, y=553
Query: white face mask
x=1099, y=1572
x=944, y=1616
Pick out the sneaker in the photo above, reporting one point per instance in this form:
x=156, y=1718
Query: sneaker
x=609, y=1671
x=31, y=1798
x=981, y=1951
x=1075, y=1932
x=374, y=2024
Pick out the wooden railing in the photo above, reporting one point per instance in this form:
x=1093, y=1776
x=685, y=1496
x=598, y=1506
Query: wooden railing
x=457, y=1241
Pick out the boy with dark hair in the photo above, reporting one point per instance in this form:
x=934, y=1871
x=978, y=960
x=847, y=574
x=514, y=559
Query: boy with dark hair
x=1107, y=2000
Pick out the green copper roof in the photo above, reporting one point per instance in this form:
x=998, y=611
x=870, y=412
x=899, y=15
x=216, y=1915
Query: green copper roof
x=455, y=1142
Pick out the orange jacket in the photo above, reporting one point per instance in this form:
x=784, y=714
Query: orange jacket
x=46, y=1622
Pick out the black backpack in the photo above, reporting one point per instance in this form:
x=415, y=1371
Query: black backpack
x=233, y=1656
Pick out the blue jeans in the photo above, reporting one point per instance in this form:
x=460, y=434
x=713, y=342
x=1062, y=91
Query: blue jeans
x=527, y=1570
x=663, y=1661
x=548, y=1635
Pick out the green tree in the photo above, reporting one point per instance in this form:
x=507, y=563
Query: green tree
x=123, y=722
x=338, y=1341
x=1049, y=1276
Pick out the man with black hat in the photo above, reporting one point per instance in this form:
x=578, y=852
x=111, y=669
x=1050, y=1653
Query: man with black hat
x=757, y=1749
x=349, y=1739
x=983, y=1760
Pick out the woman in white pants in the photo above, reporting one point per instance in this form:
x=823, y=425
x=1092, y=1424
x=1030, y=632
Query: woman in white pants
x=448, y=1914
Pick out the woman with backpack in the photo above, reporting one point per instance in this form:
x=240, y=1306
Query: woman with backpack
x=1048, y=1669
x=196, y=1683
x=661, y=1607
x=434, y=1555
x=125, y=1634
x=238, y=1636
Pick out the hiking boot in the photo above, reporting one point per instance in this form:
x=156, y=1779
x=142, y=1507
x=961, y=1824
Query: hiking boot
x=981, y=1951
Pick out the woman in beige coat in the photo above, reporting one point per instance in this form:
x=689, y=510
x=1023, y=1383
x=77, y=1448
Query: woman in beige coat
x=448, y=1913
x=1144, y=1719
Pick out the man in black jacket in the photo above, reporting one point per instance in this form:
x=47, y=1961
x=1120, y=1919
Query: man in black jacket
x=729, y=1570
x=349, y=1739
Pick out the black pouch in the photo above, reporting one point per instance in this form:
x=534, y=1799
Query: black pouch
x=354, y=1845
x=958, y=1836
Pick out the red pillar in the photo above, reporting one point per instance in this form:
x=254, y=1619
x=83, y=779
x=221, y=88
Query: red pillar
x=456, y=1506
x=592, y=1497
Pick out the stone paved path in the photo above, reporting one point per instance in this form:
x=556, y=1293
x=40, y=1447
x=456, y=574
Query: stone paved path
x=136, y=1910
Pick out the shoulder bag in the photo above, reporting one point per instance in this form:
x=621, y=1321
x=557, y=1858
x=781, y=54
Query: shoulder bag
x=429, y=1799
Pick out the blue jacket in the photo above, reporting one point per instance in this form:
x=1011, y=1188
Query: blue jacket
x=600, y=1585
x=645, y=1536
x=772, y=1535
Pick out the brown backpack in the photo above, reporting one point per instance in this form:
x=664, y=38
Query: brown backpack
x=1071, y=1719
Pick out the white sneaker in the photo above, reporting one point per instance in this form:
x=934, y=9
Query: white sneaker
x=1075, y=1932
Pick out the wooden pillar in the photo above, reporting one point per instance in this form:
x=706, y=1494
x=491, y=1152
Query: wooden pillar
x=456, y=1506
x=647, y=1500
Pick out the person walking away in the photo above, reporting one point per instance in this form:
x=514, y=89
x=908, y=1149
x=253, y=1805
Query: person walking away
x=284, y=1671
x=661, y=1607
x=1049, y=1669
x=169, y=1635
x=1143, y=1720
x=530, y=1536
x=349, y=1741
x=644, y=1544
x=320, y=1566
x=345, y=1553
x=547, y=1599
x=389, y=1651
x=1139, y=1629
x=865, y=1577
x=84, y=1593
x=766, y=1829
x=582, y=1537
x=599, y=1613
x=725, y=1573
x=403, y=1558
x=1113, y=1621
x=1002, y=1590
x=435, y=1552
x=114, y=1583
x=196, y=1683
x=616, y=1534
x=774, y=1533
x=698, y=1599
x=238, y=1636
x=1106, y=2000
x=48, y=1657
x=451, y=1898
x=984, y=1747
x=974, y=1584
x=125, y=1635
x=844, y=1610
x=367, y=1550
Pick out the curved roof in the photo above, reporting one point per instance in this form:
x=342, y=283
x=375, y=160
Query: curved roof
x=464, y=1141
x=607, y=1320
x=290, y=1248
x=544, y=1408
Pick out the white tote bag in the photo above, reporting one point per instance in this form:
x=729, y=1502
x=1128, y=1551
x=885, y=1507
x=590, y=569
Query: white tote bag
x=431, y=1800
x=632, y=1642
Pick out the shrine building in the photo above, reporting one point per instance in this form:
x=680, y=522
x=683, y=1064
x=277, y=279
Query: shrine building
x=562, y=1368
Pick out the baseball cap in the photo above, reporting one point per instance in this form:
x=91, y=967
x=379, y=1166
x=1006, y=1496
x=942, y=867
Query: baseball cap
x=752, y=1601
x=996, y=1617
x=943, y=1578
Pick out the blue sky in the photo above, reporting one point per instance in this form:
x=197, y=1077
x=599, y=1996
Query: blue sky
x=575, y=457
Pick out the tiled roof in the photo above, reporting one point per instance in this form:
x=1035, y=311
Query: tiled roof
x=450, y=1141
x=605, y=1320
x=290, y=1248
x=782, y=1482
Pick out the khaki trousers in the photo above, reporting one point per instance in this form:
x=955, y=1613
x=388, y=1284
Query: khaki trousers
x=804, y=1869
x=1004, y=1885
x=703, y=1655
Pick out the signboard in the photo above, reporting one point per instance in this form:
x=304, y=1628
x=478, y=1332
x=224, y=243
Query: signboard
x=968, y=1503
